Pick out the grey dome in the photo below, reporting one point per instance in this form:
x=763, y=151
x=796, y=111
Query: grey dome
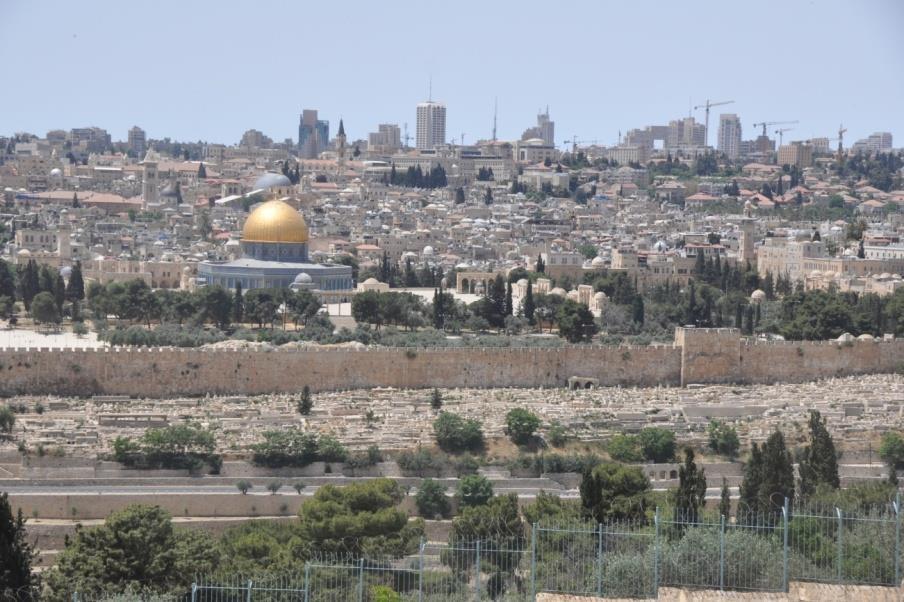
x=303, y=278
x=271, y=180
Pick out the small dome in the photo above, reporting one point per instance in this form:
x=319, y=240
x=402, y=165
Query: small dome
x=303, y=278
x=660, y=246
x=522, y=282
x=65, y=272
x=23, y=253
x=428, y=250
x=371, y=280
x=600, y=296
x=558, y=291
x=757, y=296
x=271, y=180
x=815, y=274
x=56, y=172
x=598, y=262
x=186, y=270
x=866, y=337
x=170, y=190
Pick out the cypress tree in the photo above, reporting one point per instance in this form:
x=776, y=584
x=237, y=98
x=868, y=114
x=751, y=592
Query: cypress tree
x=238, y=304
x=59, y=292
x=541, y=265
x=29, y=283
x=690, y=316
x=691, y=493
x=305, y=402
x=778, y=474
x=75, y=289
x=750, y=485
x=637, y=310
x=528, y=306
x=17, y=582
x=725, y=500
x=819, y=465
x=7, y=281
x=509, y=310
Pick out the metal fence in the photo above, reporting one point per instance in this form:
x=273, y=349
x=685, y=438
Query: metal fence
x=758, y=553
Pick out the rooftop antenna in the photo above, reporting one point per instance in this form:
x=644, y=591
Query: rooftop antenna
x=430, y=90
x=495, y=112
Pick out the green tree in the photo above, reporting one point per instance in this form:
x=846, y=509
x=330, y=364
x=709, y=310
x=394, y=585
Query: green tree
x=498, y=525
x=657, y=444
x=238, y=304
x=29, y=284
x=44, y=309
x=624, y=448
x=637, y=310
x=457, y=434
x=436, y=399
x=614, y=492
x=361, y=519
x=17, y=582
x=690, y=496
x=7, y=419
x=305, y=402
x=215, y=305
x=778, y=474
x=244, y=486
x=7, y=280
x=725, y=500
x=521, y=424
x=891, y=450
x=723, y=439
x=819, y=464
x=750, y=484
x=474, y=490
x=431, y=500
x=575, y=322
x=527, y=306
x=75, y=288
x=136, y=548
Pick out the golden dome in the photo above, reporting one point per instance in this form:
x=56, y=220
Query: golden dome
x=275, y=221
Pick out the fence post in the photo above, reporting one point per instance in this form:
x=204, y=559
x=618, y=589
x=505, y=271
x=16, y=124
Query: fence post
x=599, y=560
x=361, y=580
x=785, y=510
x=420, y=573
x=840, y=540
x=194, y=592
x=897, y=538
x=533, y=562
x=74, y=596
x=477, y=568
x=307, y=582
x=248, y=598
x=656, y=555
x=721, y=552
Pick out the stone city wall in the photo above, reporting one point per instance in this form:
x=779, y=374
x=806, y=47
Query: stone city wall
x=698, y=356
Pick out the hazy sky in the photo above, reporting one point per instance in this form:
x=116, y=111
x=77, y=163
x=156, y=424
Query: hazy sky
x=209, y=70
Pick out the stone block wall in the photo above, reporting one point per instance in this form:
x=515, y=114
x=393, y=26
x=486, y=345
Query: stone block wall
x=698, y=356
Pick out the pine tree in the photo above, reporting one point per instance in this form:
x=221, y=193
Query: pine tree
x=305, y=402
x=725, y=500
x=509, y=309
x=778, y=474
x=238, y=304
x=17, y=582
x=819, y=464
x=691, y=493
x=527, y=305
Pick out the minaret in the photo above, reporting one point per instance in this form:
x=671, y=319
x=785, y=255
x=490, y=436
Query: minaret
x=340, y=150
x=149, y=178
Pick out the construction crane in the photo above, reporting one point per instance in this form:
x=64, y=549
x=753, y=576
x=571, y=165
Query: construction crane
x=574, y=143
x=771, y=123
x=406, y=137
x=781, y=134
x=708, y=106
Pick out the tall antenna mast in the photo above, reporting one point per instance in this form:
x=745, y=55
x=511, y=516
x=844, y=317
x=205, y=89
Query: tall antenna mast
x=430, y=90
x=495, y=113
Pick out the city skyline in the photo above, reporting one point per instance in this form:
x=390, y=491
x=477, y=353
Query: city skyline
x=788, y=77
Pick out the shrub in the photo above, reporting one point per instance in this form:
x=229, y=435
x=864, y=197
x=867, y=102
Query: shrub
x=624, y=448
x=178, y=446
x=557, y=435
x=521, y=424
x=436, y=399
x=7, y=419
x=293, y=447
x=657, y=444
x=456, y=434
x=723, y=439
x=421, y=462
x=474, y=490
x=431, y=500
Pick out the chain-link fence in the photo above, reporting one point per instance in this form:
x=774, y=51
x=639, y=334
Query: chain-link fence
x=748, y=552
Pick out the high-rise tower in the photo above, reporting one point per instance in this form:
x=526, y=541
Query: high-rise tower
x=431, y=125
x=730, y=135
